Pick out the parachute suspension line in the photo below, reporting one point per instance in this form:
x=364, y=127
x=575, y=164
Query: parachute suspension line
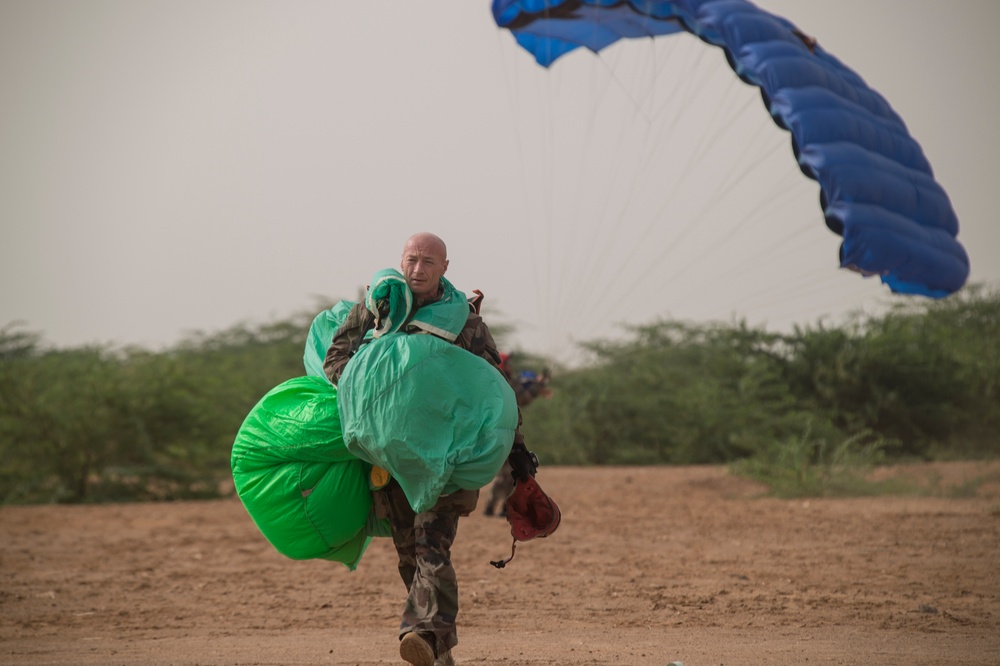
x=562, y=237
x=600, y=93
x=722, y=190
x=537, y=174
x=546, y=90
x=726, y=186
x=713, y=248
x=774, y=200
x=797, y=290
x=573, y=232
x=789, y=245
x=689, y=85
x=549, y=145
x=644, y=174
x=804, y=283
x=768, y=204
x=766, y=141
x=732, y=178
x=807, y=285
x=646, y=71
x=637, y=107
x=563, y=233
x=517, y=105
x=694, y=160
x=585, y=241
x=693, y=87
x=779, y=197
x=844, y=298
x=673, y=125
x=605, y=234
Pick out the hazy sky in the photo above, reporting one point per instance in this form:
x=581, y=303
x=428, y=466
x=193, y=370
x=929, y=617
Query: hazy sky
x=178, y=166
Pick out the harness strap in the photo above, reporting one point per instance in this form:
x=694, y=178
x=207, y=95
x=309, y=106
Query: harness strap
x=500, y=564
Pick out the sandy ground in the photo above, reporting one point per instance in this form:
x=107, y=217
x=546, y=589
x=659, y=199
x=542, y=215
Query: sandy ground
x=650, y=566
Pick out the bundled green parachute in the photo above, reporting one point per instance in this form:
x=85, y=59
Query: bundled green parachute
x=436, y=416
x=320, y=336
x=307, y=494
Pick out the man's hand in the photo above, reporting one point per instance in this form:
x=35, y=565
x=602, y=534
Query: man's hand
x=523, y=462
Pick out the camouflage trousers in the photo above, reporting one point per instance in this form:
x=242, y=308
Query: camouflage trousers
x=500, y=489
x=423, y=543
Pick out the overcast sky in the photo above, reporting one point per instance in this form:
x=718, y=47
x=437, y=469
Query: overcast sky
x=178, y=166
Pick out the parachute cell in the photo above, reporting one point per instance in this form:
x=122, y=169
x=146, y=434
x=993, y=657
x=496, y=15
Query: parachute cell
x=877, y=188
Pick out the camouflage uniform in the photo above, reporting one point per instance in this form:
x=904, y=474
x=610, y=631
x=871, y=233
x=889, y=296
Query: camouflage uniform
x=423, y=541
x=500, y=489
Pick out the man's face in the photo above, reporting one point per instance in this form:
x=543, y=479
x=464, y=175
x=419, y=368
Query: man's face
x=422, y=265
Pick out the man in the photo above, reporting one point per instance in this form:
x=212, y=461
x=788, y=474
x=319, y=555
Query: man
x=423, y=541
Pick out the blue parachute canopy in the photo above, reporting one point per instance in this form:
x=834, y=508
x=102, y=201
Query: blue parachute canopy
x=877, y=188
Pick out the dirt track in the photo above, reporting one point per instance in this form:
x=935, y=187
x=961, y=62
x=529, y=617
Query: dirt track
x=650, y=565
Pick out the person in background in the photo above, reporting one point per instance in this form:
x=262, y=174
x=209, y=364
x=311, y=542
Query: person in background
x=527, y=386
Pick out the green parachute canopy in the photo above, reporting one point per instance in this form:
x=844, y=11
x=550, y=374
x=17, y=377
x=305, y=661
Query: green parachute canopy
x=438, y=417
x=306, y=492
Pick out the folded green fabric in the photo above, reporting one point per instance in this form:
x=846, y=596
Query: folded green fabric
x=390, y=300
x=305, y=491
x=438, y=417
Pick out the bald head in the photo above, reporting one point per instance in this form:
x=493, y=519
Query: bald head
x=428, y=242
x=424, y=262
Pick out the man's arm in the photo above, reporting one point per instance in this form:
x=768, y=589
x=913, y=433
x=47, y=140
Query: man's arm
x=476, y=338
x=346, y=341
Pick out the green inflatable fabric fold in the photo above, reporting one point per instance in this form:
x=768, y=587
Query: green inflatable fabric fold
x=438, y=417
x=324, y=325
x=445, y=317
x=390, y=300
x=308, y=495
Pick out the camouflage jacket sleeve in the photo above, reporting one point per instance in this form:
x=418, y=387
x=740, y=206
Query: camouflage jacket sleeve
x=346, y=341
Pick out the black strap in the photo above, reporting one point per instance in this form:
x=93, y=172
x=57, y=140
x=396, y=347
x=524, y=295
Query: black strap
x=500, y=564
